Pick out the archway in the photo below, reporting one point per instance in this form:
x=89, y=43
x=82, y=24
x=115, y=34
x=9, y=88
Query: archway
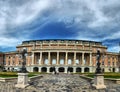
x=86, y=69
x=61, y=69
x=35, y=69
x=8, y=69
x=113, y=70
x=78, y=69
x=43, y=69
x=52, y=69
x=70, y=69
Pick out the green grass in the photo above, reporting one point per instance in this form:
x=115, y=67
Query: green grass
x=14, y=74
x=107, y=75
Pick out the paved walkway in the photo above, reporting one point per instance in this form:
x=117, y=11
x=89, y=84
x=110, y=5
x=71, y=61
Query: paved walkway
x=68, y=83
x=58, y=83
x=62, y=83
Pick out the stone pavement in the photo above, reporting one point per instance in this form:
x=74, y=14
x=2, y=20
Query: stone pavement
x=58, y=83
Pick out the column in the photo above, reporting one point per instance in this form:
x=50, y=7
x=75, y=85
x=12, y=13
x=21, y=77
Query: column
x=32, y=58
x=82, y=69
x=49, y=61
x=74, y=69
x=48, y=68
x=83, y=58
x=74, y=61
x=39, y=69
x=65, y=70
x=57, y=58
x=40, y=61
x=90, y=59
x=66, y=58
x=56, y=69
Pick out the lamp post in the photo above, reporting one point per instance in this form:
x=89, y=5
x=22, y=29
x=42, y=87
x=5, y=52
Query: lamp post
x=23, y=53
x=98, y=77
x=23, y=74
x=98, y=69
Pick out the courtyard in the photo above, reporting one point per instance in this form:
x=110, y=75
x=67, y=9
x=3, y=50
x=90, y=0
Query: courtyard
x=58, y=83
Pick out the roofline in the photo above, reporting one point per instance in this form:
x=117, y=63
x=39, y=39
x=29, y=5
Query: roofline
x=61, y=40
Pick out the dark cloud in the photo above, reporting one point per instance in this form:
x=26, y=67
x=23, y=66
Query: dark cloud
x=80, y=19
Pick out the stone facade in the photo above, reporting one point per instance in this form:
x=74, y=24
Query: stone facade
x=62, y=55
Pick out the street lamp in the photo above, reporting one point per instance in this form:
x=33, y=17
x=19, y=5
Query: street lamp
x=23, y=74
x=98, y=77
x=23, y=53
x=98, y=69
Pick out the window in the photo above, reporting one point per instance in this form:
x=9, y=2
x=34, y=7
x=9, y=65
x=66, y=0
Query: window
x=46, y=61
x=54, y=61
x=108, y=62
x=113, y=63
x=61, y=61
x=13, y=56
x=8, y=62
x=9, y=57
x=19, y=62
x=69, y=61
x=102, y=62
x=77, y=42
x=13, y=62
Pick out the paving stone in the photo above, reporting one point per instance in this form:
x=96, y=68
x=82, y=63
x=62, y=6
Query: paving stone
x=58, y=83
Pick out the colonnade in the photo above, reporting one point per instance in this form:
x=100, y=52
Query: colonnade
x=61, y=69
x=62, y=58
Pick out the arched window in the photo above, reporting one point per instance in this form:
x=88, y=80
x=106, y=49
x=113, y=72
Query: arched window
x=19, y=62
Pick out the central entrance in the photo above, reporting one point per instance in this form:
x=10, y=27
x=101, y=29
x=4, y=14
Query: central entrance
x=61, y=69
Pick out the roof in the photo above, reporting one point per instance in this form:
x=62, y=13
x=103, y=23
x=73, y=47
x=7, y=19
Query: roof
x=60, y=40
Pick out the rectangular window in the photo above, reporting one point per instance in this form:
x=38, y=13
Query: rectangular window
x=108, y=62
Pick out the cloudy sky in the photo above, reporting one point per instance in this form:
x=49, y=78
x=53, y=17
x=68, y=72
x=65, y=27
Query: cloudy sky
x=95, y=20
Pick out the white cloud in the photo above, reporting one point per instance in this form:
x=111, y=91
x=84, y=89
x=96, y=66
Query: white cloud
x=96, y=15
x=16, y=14
x=114, y=49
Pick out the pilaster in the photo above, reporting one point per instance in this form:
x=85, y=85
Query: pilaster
x=74, y=62
x=40, y=61
x=32, y=58
x=66, y=58
x=83, y=58
x=49, y=61
x=90, y=64
x=57, y=58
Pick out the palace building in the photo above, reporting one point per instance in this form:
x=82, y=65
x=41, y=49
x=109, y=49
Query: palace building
x=62, y=56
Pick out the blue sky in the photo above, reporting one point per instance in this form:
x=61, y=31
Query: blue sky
x=22, y=20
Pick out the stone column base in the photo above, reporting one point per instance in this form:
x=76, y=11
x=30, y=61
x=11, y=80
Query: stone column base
x=99, y=86
x=21, y=85
x=99, y=81
x=22, y=80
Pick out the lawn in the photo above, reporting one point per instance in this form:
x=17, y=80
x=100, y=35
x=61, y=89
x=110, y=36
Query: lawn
x=14, y=74
x=106, y=75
